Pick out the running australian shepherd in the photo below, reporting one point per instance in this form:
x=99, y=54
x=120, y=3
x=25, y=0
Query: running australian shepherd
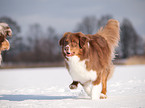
x=89, y=57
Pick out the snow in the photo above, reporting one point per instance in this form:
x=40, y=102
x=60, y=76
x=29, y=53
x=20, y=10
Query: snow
x=48, y=88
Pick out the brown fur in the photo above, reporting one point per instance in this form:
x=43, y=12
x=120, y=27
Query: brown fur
x=99, y=52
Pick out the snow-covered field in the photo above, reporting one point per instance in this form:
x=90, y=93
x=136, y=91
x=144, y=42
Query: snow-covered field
x=48, y=88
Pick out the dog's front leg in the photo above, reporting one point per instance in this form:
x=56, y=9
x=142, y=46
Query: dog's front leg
x=96, y=92
x=87, y=87
x=74, y=85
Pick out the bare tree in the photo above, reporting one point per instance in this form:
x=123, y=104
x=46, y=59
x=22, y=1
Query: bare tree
x=87, y=26
x=53, y=44
x=35, y=36
x=91, y=24
x=103, y=20
x=130, y=40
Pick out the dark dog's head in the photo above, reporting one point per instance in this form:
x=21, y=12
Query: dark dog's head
x=4, y=32
x=73, y=43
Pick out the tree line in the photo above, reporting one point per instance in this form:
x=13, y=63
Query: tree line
x=40, y=47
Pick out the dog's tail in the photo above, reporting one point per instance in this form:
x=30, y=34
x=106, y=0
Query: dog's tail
x=111, y=33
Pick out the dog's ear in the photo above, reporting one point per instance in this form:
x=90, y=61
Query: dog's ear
x=5, y=45
x=82, y=39
x=82, y=42
x=61, y=41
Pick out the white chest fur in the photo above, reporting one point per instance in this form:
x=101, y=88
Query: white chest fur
x=78, y=71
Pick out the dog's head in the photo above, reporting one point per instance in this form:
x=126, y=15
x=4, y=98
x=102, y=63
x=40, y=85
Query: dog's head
x=73, y=43
x=4, y=32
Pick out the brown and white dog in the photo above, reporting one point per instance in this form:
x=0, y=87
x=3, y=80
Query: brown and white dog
x=4, y=32
x=88, y=58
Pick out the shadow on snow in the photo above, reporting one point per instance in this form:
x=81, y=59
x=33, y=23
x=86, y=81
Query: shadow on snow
x=33, y=97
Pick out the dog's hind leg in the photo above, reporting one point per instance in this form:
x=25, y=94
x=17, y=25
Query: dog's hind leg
x=104, y=86
x=106, y=75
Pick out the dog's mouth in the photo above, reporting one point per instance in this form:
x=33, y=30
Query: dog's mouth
x=69, y=54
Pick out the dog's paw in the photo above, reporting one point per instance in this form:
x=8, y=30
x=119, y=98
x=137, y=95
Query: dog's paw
x=73, y=86
x=103, y=96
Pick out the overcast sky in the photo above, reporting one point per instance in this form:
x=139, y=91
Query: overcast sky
x=63, y=15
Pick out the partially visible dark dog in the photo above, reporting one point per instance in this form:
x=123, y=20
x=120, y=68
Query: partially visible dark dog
x=4, y=32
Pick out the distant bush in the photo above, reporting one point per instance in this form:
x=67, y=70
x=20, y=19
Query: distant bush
x=135, y=60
